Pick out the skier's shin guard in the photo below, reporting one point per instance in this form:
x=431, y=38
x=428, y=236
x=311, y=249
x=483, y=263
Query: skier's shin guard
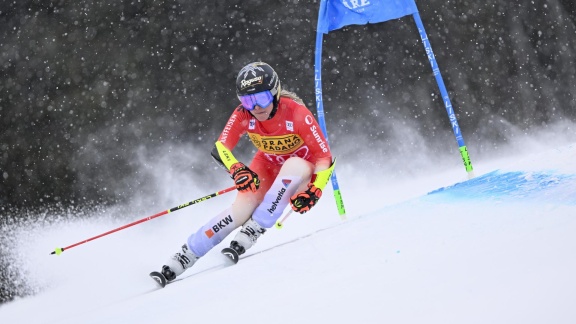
x=293, y=174
x=213, y=232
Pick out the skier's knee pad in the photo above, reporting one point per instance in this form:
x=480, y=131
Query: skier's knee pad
x=296, y=166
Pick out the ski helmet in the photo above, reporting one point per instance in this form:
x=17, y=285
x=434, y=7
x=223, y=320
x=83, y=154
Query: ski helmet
x=257, y=77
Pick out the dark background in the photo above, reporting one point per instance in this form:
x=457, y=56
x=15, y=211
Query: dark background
x=85, y=84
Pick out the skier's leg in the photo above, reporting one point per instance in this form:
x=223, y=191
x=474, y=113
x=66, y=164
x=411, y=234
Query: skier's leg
x=208, y=236
x=220, y=226
x=294, y=175
x=215, y=230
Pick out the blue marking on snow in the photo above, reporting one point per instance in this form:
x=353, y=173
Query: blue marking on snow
x=516, y=186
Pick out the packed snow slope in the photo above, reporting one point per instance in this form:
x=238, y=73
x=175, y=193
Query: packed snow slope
x=498, y=248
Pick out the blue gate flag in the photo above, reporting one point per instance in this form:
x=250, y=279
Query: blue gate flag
x=336, y=14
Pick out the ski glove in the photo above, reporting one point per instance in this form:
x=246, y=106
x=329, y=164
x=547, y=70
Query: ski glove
x=302, y=202
x=244, y=178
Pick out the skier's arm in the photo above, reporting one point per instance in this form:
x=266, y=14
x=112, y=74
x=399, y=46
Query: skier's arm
x=305, y=200
x=216, y=152
x=316, y=141
x=244, y=178
x=322, y=172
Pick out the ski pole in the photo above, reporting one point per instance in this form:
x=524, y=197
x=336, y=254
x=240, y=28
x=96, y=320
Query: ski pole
x=280, y=223
x=58, y=251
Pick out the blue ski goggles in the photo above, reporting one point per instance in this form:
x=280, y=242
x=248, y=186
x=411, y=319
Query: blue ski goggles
x=262, y=99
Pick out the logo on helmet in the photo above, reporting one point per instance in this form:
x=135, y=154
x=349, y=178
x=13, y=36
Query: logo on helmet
x=251, y=82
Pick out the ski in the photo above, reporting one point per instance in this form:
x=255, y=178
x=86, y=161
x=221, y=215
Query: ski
x=159, y=278
x=231, y=254
x=162, y=282
x=232, y=258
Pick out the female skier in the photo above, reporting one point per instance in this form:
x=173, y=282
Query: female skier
x=292, y=165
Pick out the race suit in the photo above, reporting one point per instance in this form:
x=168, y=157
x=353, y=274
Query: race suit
x=292, y=133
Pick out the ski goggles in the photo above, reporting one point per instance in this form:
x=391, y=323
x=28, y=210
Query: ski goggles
x=262, y=99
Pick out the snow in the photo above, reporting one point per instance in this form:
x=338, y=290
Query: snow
x=428, y=249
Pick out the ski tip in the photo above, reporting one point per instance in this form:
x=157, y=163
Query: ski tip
x=231, y=254
x=159, y=278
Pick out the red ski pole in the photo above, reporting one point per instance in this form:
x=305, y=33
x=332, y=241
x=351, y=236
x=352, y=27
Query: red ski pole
x=58, y=251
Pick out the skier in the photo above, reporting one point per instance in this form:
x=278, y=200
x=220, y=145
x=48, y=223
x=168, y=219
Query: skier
x=292, y=165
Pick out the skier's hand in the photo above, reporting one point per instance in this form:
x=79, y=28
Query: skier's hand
x=244, y=178
x=302, y=202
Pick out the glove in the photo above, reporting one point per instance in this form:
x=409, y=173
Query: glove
x=244, y=178
x=302, y=202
